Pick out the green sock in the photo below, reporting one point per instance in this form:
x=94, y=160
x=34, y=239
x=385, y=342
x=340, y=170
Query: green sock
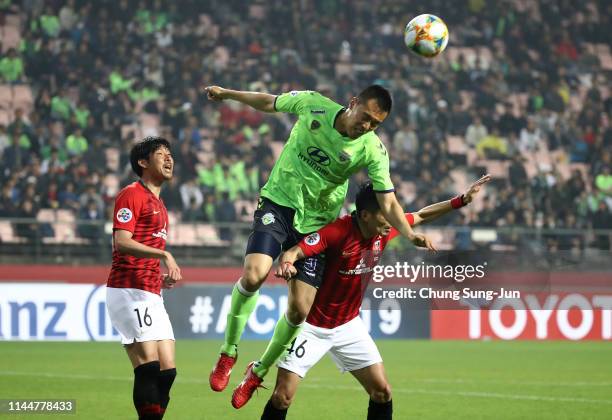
x=239, y=313
x=284, y=333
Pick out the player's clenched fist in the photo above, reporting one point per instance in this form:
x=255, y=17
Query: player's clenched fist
x=286, y=270
x=215, y=93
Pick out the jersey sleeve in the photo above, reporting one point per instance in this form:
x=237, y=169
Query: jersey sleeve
x=293, y=102
x=127, y=210
x=378, y=167
x=394, y=232
x=327, y=237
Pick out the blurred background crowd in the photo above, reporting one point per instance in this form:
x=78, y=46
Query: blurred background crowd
x=522, y=92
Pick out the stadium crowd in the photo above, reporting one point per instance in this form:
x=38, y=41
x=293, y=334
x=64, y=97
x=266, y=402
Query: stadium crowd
x=523, y=88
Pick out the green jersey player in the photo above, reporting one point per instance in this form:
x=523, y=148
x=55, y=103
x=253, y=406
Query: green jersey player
x=305, y=191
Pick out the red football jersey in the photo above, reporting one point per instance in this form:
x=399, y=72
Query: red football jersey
x=139, y=211
x=350, y=260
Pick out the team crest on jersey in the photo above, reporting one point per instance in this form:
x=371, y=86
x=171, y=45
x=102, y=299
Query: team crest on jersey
x=376, y=245
x=124, y=215
x=315, y=124
x=312, y=239
x=267, y=219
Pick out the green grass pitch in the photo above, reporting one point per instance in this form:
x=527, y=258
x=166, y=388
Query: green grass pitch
x=430, y=380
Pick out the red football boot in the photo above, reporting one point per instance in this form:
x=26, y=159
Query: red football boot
x=244, y=391
x=220, y=375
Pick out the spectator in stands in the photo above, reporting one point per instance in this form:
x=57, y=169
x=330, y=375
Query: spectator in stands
x=11, y=67
x=8, y=207
x=68, y=198
x=602, y=219
x=50, y=199
x=194, y=213
x=90, y=212
x=76, y=143
x=87, y=65
x=16, y=155
x=475, y=132
x=516, y=172
x=530, y=138
x=191, y=193
x=27, y=229
x=91, y=195
x=492, y=146
x=225, y=212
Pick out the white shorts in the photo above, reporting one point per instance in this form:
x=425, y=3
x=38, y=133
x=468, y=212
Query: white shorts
x=350, y=346
x=138, y=315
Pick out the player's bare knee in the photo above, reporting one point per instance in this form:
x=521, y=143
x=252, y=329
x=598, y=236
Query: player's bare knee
x=381, y=393
x=297, y=311
x=253, y=277
x=281, y=398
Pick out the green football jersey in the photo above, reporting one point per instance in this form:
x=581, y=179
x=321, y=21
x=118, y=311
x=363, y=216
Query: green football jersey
x=312, y=172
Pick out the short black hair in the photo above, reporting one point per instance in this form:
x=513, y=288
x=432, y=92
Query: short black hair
x=382, y=96
x=366, y=199
x=144, y=149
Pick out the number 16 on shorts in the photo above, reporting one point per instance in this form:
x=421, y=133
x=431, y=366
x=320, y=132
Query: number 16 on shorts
x=145, y=318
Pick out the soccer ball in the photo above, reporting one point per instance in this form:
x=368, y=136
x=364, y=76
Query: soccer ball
x=426, y=35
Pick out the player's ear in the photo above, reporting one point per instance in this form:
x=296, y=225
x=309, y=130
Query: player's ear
x=353, y=102
x=144, y=163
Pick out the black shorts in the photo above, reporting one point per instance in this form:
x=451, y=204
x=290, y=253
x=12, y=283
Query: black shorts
x=273, y=232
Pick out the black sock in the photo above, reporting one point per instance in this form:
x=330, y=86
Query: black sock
x=380, y=411
x=146, y=392
x=164, y=383
x=273, y=413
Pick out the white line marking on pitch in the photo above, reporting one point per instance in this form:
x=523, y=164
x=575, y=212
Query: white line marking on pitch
x=344, y=387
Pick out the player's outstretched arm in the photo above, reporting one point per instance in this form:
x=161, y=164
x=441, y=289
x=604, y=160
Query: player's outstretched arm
x=124, y=243
x=433, y=211
x=260, y=101
x=393, y=212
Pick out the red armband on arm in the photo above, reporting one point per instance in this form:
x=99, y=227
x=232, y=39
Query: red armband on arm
x=458, y=202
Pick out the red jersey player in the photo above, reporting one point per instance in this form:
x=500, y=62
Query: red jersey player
x=135, y=306
x=333, y=324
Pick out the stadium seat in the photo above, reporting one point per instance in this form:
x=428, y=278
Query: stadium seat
x=65, y=216
x=46, y=216
x=173, y=218
x=497, y=169
x=456, y=145
x=185, y=235
x=13, y=20
x=208, y=235
x=22, y=96
x=7, y=234
x=5, y=117
x=10, y=37
x=65, y=233
x=6, y=97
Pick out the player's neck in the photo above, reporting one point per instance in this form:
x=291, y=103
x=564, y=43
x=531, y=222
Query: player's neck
x=152, y=185
x=340, y=124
